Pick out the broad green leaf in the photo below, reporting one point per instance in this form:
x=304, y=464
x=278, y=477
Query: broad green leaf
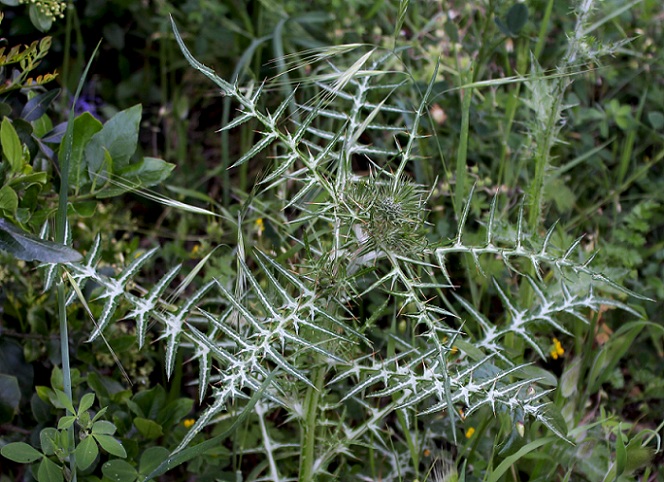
x=151, y=171
x=62, y=440
x=40, y=128
x=175, y=411
x=37, y=106
x=119, y=471
x=8, y=199
x=103, y=427
x=49, y=440
x=656, y=120
x=99, y=414
x=66, y=422
x=65, y=401
x=148, y=428
x=85, y=126
x=569, y=380
x=46, y=394
x=86, y=452
x=12, y=147
x=20, y=452
x=148, y=403
x=86, y=402
x=40, y=21
x=84, y=419
x=49, y=471
x=151, y=458
x=85, y=208
x=145, y=173
x=10, y=396
x=30, y=179
x=119, y=136
x=516, y=18
x=27, y=247
x=111, y=445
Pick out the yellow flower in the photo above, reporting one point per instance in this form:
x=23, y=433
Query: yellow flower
x=470, y=432
x=195, y=249
x=188, y=422
x=260, y=226
x=557, y=349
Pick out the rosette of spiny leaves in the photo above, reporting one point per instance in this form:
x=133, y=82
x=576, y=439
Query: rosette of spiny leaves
x=275, y=319
x=482, y=374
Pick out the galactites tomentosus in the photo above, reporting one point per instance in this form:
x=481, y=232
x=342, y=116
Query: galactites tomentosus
x=391, y=214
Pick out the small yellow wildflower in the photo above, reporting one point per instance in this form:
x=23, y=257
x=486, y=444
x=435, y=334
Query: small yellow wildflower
x=195, y=249
x=470, y=432
x=260, y=226
x=557, y=350
x=188, y=422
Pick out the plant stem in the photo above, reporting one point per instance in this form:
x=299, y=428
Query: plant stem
x=60, y=237
x=462, y=152
x=308, y=448
x=66, y=371
x=541, y=38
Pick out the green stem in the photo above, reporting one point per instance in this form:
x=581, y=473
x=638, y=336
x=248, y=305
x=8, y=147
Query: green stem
x=462, y=152
x=60, y=237
x=586, y=364
x=542, y=33
x=308, y=448
x=66, y=370
x=406, y=430
x=542, y=161
x=66, y=55
x=506, y=172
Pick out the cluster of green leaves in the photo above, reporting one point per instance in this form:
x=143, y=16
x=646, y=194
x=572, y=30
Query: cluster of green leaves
x=94, y=432
x=138, y=422
x=101, y=164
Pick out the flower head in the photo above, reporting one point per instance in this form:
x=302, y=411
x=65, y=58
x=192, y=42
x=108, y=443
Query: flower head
x=557, y=349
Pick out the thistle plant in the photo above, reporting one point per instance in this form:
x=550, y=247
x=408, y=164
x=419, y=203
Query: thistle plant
x=546, y=99
x=353, y=333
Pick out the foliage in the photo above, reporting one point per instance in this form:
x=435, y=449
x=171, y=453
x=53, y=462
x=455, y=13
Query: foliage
x=357, y=323
x=94, y=433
